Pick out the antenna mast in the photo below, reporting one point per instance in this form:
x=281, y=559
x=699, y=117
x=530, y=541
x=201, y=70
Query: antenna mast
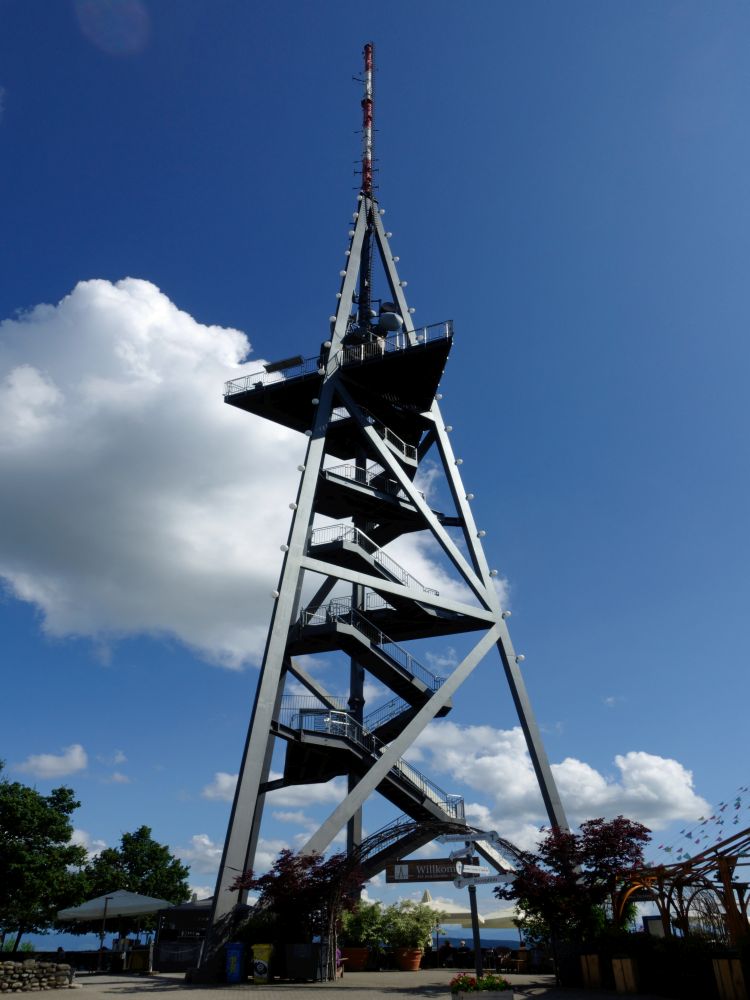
x=365, y=274
x=367, y=117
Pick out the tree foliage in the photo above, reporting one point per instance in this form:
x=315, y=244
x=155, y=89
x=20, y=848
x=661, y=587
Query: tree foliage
x=141, y=865
x=39, y=866
x=305, y=892
x=563, y=887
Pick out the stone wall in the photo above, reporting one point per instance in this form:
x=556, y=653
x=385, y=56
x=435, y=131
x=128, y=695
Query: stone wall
x=23, y=977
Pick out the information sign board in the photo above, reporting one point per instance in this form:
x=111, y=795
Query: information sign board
x=423, y=870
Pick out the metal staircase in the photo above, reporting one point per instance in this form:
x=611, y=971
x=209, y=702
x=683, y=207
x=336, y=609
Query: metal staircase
x=404, y=783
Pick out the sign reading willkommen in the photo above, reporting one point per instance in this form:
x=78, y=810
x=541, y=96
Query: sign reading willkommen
x=428, y=870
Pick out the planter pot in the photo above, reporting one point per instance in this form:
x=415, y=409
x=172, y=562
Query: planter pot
x=730, y=980
x=624, y=972
x=408, y=959
x=356, y=958
x=592, y=976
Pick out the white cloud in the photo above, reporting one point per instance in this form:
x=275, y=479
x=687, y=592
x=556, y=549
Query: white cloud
x=50, y=765
x=135, y=500
x=652, y=789
x=202, y=853
x=295, y=816
x=84, y=839
x=117, y=778
x=118, y=757
x=222, y=787
x=307, y=795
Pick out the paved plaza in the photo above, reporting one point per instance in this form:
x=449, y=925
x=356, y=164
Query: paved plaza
x=354, y=986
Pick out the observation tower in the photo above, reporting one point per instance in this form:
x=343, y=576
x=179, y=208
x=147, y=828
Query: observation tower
x=368, y=401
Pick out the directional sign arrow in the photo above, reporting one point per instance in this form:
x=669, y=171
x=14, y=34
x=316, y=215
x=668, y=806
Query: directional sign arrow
x=461, y=883
x=462, y=869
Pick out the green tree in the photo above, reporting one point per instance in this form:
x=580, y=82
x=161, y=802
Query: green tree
x=40, y=870
x=139, y=864
x=564, y=889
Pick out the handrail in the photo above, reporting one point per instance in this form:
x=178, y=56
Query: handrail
x=368, y=350
x=292, y=705
x=348, y=533
x=262, y=378
x=349, y=355
x=339, y=723
x=386, y=712
x=367, y=477
x=341, y=611
x=407, y=450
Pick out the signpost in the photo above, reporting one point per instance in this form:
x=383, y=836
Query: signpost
x=462, y=869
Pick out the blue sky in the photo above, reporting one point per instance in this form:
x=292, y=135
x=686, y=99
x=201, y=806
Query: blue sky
x=568, y=183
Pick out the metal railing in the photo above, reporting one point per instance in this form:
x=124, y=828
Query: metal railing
x=349, y=355
x=354, y=354
x=340, y=723
x=262, y=378
x=386, y=712
x=341, y=611
x=367, y=477
x=292, y=705
x=407, y=450
x=348, y=533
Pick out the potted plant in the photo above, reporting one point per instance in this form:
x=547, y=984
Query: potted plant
x=488, y=985
x=361, y=929
x=407, y=927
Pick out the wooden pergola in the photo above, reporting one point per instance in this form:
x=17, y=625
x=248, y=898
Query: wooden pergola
x=703, y=894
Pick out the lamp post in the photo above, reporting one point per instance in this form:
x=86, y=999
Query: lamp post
x=101, y=933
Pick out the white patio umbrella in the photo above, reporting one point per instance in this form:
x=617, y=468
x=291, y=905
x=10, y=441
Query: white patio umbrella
x=119, y=903
x=452, y=913
x=502, y=919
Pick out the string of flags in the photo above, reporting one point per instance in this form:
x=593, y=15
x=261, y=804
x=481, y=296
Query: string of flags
x=709, y=829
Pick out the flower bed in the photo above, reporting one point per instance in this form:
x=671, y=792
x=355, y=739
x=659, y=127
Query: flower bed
x=489, y=985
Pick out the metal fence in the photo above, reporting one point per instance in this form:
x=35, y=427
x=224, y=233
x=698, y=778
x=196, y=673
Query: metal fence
x=348, y=533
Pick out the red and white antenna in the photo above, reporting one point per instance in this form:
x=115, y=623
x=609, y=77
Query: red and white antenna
x=367, y=117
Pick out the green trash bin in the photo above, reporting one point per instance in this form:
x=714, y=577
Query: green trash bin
x=262, y=962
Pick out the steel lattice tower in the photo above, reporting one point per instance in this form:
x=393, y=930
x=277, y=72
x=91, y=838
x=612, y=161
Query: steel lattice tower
x=369, y=405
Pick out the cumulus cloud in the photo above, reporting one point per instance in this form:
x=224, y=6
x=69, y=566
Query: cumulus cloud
x=135, y=500
x=49, y=765
x=652, y=789
x=223, y=785
x=202, y=853
x=84, y=839
x=221, y=788
x=295, y=816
